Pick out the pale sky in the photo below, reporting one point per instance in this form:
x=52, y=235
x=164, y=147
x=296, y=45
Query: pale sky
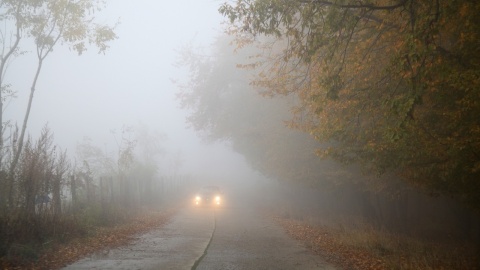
x=92, y=94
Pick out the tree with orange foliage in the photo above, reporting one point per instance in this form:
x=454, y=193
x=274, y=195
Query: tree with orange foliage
x=392, y=85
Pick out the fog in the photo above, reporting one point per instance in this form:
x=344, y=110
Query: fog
x=95, y=95
x=304, y=111
x=132, y=85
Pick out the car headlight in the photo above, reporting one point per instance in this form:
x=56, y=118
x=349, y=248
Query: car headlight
x=198, y=198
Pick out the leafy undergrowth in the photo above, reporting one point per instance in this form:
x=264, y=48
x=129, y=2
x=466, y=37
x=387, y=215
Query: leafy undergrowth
x=371, y=250
x=59, y=254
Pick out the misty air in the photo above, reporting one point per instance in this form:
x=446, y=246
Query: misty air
x=239, y=134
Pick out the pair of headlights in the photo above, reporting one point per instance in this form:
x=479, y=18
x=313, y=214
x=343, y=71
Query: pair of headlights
x=198, y=199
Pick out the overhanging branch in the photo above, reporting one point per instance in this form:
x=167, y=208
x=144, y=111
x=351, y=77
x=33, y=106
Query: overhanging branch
x=354, y=6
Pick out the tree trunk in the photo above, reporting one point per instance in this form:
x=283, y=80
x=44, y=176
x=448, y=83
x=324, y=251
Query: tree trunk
x=56, y=196
x=73, y=190
x=22, y=134
x=3, y=62
x=112, y=197
x=30, y=194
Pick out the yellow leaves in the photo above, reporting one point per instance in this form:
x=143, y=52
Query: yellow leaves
x=377, y=86
x=464, y=10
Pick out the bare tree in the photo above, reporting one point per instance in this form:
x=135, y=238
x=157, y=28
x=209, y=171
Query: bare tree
x=48, y=22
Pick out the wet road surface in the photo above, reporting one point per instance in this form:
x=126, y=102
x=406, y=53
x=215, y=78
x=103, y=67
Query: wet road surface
x=209, y=238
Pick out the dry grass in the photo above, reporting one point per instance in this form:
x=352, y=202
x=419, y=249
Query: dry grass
x=404, y=253
x=60, y=253
x=363, y=247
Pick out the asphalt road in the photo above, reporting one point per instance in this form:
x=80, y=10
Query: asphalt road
x=209, y=238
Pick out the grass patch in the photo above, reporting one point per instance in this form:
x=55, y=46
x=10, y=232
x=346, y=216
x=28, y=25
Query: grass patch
x=402, y=252
x=363, y=247
x=78, y=239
